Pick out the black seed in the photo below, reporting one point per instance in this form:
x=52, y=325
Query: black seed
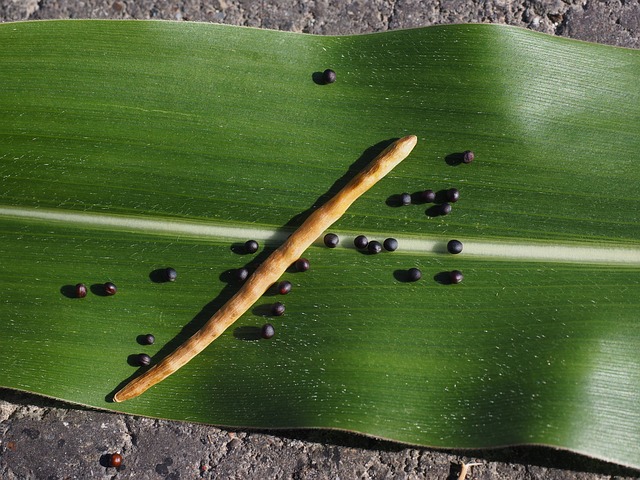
x=328, y=76
x=405, y=199
x=456, y=276
x=144, y=360
x=390, y=244
x=302, y=264
x=468, y=156
x=414, y=274
x=284, y=287
x=148, y=339
x=251, y=246
x=374, y=247
x=267, y=331
x=453, y=195
x=81, y=290
x=331, y=240
x=445, y=209
x=428, y=196
x=361, y=242
x=115, y=460
x=110, y=288
x=277, y=309
x=454, y=246
x=170, y=274
x=242, y=274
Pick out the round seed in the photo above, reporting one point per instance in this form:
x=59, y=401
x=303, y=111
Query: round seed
x=454, y=246
x=144, y=360
x=390, y=244
x=456, y=276
x=302, y=264
x=374, y=247
x=251, y=246
x=468, y=156
x=110, y=288
x=361, y=242
x=277, y=309
x=453, y=195
x=284, y=287
x=414, y=274
x=428, y=196
x=445, y=209
x=267, y=331
x=405, y=199
x=331, y=240
x=170, y=274
x=242, y=274
x=81, y=290
x=148, y=339
x=328, y=76
x=115, y=460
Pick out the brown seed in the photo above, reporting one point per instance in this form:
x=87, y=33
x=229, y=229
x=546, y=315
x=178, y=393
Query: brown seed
x=468, y=156
x=81, y=290
x=456, y=276
x=115, y=460
x=110, y=288
x=267, y=331
x=302, y=264
x=144, y=360
x=284, y=287
x=277, y=309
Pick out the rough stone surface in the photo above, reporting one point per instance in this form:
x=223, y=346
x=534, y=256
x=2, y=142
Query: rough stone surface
x=44, y=439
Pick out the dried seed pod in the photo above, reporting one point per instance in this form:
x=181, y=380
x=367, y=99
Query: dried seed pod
x=468, y=156
x=110, y=288
x=267, y=331
x=277, y=309
x=328, y=76
x=284, y=287
x=454, y=246
x=361, y=242
x=115, y=460
x=390, y=244
x=456, y=276
x=302, y=264
x=453, y=195
x=170, y=274
x=374, y=247
x=251, y=246
x=414, y=274
x=144, y=360
x=81, y=290
x=331, y=240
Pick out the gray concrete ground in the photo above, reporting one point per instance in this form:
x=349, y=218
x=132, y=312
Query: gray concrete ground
x=44, y=439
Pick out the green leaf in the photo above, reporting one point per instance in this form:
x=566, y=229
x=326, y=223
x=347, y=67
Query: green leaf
x=127, y=147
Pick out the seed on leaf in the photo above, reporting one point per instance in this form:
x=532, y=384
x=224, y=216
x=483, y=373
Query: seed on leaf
x=148, y=339
x=456, y=276
x=110, y=288
x=390, y=244
x=242, y=274
x=267, y=331
x=251, y=246
x=453, y=195
x=405, y=199
x=277, y=309
x=328, y=76
x=144, y=360
x=428, y=196
x=414, y=274
x=331, y=240
x=468, y=156
x=81, y=290
x=361, y=242
x=115, y=460
x=445, y=209
x=284, y=287
x=302, y=264
x=454, y=246
x=170, y=274
x=374, y=247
